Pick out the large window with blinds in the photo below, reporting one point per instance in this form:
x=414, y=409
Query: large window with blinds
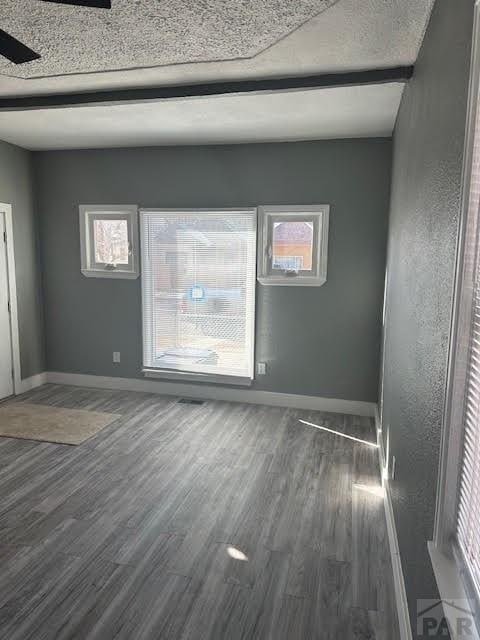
x=198, y=290
x=468, y=524
x=457, y=521
x=468, y=516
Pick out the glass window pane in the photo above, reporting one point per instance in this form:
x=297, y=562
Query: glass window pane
x=111, y=241
x=292, y=245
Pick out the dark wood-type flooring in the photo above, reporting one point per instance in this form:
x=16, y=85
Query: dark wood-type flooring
x=131, y=534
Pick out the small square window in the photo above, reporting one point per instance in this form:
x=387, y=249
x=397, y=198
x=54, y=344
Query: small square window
x=293, y=245
x=109, y=241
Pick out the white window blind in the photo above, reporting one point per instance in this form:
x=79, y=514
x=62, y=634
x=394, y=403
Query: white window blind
x=468, y=518
x=198, y=290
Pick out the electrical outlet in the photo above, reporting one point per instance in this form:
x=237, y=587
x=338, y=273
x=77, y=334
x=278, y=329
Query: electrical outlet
x=261, y=368
x=116, y=356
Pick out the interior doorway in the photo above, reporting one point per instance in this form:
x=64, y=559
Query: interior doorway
x=6, y=352
x=9, y=342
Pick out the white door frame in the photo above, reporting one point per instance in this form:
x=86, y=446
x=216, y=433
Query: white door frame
x=12, y=293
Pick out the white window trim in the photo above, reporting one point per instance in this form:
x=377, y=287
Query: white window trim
x=193, y=376
x=320, y=246
x=450, y=570
x=128, y=211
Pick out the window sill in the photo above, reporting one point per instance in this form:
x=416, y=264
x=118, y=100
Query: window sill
x=285, y=281
x=451, y=587
x=189, y=376
x=105, y=273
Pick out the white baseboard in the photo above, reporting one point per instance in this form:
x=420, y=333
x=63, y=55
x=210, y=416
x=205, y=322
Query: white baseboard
x=398, y=578
x=211, y=392
x=30, y=383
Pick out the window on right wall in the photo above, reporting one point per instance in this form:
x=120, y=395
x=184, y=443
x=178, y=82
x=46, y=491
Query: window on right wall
x=293, y=245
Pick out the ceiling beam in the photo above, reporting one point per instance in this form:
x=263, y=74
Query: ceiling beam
x=118, y=96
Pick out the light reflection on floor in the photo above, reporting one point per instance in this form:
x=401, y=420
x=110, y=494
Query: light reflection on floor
x=236, y=554
x=339, y=433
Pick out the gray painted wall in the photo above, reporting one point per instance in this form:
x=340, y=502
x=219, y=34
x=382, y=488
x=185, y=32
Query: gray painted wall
x=426, y=187
x=16, y=188
x=316, y=341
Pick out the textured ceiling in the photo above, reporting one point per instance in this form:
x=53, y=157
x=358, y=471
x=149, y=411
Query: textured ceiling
x=342, y=112
x=147, y=33
x=351, y=34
